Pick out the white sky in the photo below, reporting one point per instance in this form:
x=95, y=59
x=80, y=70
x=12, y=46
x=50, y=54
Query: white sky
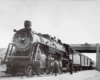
x=73, y=21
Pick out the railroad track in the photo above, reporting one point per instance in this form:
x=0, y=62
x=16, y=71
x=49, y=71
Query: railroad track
x=4, y=75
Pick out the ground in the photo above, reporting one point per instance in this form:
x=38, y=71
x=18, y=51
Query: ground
x=80, y=75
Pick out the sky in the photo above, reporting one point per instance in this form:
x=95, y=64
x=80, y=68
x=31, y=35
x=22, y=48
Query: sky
x=72, y=21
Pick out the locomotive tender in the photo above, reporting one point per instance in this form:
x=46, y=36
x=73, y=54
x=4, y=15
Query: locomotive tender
x=33, y=52
x=80, y=61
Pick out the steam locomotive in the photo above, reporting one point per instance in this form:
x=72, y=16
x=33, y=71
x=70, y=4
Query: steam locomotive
x=33, y=52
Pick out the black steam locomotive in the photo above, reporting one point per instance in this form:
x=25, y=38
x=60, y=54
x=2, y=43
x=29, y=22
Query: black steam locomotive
x=33, y=52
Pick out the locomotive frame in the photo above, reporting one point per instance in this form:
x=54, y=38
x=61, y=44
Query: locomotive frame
x=33, y=64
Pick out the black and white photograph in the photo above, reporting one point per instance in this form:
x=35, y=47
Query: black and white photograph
x=49, y=40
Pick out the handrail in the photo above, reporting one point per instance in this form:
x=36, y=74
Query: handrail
x=32, y=53
x=7, y=51
x=18, y=56
x=10, y=51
